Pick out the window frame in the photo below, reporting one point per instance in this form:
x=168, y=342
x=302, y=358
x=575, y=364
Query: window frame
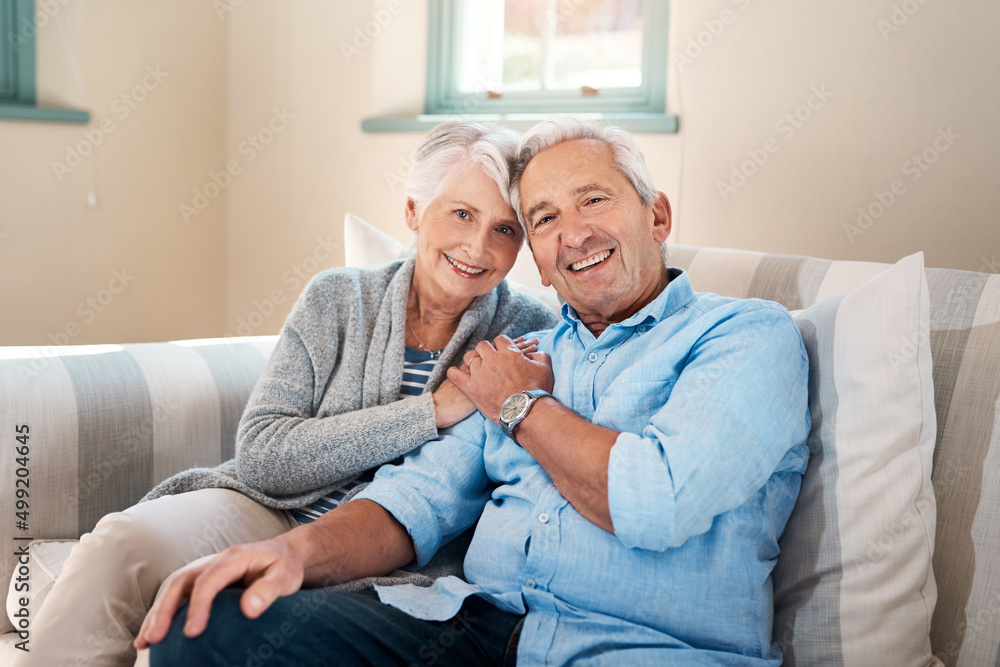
x=17, y=55
x=443, y=98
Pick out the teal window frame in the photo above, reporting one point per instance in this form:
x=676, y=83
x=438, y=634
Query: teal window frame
x=17, y=57
x=442, y=96
x=18, y=93
x=641, y=110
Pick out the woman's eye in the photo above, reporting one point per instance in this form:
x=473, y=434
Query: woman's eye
x=464, y=215
x=506, y=229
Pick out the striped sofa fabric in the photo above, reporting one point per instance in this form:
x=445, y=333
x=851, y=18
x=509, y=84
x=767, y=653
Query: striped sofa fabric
x=108, y=422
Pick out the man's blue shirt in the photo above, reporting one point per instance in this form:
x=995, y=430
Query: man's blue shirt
x=710, y=396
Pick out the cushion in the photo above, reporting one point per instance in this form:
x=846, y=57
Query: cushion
x=44, y=563
x=854, y=582
x=365, y=246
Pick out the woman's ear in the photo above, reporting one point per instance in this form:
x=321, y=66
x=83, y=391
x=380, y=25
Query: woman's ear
x=412, y=219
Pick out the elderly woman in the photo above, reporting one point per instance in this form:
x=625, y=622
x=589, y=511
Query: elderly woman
x=357, y=379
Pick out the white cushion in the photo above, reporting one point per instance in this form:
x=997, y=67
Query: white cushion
x=365, y=246
x=854, y=583
x=35, y=578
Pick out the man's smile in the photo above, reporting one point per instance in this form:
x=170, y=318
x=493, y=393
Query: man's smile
x=596, y=258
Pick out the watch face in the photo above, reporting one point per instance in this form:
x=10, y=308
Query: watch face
x=513, y=407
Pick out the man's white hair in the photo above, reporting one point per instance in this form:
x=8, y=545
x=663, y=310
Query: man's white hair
x=454, y=146
x=562, y=127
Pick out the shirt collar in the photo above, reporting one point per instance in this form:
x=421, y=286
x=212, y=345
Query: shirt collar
x=677, y=294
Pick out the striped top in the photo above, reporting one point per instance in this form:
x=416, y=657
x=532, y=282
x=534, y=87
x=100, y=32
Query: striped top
x=417, y=368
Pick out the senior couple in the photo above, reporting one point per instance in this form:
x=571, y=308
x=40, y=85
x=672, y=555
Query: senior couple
x=628, y=467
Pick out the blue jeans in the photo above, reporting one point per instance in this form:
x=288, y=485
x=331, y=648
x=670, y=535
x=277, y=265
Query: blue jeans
x=324, y=627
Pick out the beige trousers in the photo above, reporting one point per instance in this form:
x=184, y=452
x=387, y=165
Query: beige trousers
x=111, y=578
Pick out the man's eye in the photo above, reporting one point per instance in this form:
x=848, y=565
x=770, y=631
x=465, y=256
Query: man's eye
x=595, y=200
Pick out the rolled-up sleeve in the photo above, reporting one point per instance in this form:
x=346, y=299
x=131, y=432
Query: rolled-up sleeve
x=737, y=414
x=439, y=491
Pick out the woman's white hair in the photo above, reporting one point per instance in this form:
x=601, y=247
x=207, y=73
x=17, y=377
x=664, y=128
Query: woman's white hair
x=559, y=128
x=454, y=146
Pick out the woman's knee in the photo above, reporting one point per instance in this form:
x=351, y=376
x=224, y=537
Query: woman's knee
x=124, y=538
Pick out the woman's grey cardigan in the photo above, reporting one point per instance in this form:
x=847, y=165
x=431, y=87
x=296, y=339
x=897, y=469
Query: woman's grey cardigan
x=327, y=406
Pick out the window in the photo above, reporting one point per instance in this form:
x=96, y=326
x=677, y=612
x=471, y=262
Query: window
x=17, y=55
x=18, y=26
x=546, y=56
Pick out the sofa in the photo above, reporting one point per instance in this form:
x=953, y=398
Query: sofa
x=89, y=429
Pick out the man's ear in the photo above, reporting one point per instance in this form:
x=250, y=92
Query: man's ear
x=662, y=217
x=410, y=213
x=545, y=279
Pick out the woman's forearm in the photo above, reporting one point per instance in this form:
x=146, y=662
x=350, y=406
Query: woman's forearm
x=286, y=455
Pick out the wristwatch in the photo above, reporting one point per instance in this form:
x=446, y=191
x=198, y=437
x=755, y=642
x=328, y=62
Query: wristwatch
x=515, y=409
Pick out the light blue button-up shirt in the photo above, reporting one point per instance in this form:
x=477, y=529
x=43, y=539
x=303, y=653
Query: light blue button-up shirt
x=710, y=397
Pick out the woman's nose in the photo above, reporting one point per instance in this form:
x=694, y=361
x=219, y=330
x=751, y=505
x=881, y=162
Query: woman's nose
x=477, y=245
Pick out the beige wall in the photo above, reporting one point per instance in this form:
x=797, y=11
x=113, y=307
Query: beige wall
x=267, y=90
x=889, y=99
x=56, y=252
x=892, y=91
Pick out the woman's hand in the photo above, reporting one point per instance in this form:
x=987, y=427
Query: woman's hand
x=268, y=569
x=451, y=405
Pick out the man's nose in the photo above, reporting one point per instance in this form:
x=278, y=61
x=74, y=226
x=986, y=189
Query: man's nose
x=576, y=230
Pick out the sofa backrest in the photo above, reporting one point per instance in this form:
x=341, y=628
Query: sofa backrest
x=107, y=422
x=965, y=347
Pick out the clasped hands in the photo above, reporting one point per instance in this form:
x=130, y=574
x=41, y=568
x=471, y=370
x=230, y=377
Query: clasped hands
x=494, y=371
x=501, y=365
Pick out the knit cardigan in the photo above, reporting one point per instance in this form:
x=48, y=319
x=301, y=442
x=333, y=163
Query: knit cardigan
x=327, y=406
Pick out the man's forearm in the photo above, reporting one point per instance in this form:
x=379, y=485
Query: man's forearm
x=575, y=454
x=358, y=539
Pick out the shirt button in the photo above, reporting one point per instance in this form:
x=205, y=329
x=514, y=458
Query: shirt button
x=593, y=356
x=543, y=517
x=530, y=583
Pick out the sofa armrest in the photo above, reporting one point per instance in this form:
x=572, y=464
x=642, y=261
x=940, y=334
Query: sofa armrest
x=106, y=423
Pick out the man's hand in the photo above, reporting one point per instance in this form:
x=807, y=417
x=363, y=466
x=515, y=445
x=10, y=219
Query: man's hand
x=451, y=405
x=494, y=371
x=268, y=569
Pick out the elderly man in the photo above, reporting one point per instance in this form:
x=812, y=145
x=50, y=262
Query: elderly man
x=630, y=480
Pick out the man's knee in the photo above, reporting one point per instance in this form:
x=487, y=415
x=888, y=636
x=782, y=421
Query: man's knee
x=222, y=642
x=298, y=629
